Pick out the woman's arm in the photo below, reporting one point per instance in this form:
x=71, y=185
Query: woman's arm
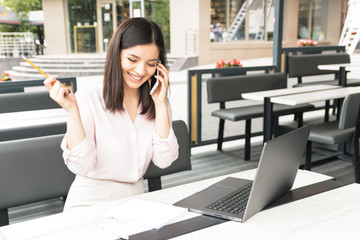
x=60, y=94
x=166, y=149
x=162, y=121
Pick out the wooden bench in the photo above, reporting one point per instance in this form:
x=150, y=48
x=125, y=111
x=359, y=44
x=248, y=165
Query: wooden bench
x=224, y=89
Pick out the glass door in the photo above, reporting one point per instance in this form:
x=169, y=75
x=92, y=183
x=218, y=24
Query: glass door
x=122, y=11
x=107, y=16
x=137, y=8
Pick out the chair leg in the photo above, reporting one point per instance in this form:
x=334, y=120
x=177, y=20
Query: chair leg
x=154, y=184
x=327, y=107
x=4, y=217
x=247, y=139
x=308, y=156
x=275, y=127
x=220, y=134
x=356, y=162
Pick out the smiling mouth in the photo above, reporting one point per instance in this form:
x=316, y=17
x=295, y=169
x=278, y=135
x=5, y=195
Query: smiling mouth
x=134, y=77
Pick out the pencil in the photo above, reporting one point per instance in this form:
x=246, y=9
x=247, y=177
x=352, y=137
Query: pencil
x=34, y=66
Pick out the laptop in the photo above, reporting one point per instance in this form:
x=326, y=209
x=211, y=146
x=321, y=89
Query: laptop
x=279, y=162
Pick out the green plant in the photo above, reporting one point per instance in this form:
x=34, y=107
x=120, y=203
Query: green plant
x=5, y=77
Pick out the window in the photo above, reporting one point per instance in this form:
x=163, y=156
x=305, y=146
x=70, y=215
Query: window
x=312, y=19
x=82, y=23
x=241, y=20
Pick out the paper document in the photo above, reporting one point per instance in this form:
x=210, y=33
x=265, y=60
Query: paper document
x=147, y=213
x=122, y=228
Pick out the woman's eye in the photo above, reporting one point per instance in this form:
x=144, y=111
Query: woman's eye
x=152, y=64
x=132, y=60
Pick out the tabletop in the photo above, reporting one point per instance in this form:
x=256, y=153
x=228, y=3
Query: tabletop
x=336, y=66
x=32, y=118
x=259, y=96
x=316, y=96
x=284, y=220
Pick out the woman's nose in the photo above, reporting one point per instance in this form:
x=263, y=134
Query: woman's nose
x=140, y=69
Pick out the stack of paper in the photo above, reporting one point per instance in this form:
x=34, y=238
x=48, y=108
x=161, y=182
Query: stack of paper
x=140, y=214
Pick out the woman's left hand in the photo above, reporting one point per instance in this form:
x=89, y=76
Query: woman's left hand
x=159, y=95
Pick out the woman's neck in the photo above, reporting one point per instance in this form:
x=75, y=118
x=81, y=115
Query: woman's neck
x=131, y=96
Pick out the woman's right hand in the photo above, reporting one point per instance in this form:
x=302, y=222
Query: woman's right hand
x=61, y=94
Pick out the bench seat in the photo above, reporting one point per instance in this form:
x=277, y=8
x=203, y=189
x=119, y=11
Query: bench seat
x=224, y=89
x=256, y=111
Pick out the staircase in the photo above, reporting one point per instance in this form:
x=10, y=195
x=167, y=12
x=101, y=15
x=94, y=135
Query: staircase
x=71, y=65
x=239, y=19
x=260, y=33
x=350, y=34
x=74, y=65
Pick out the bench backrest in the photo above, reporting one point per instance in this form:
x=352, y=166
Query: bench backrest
x=28, y=101
x=222, y=89
x=20, y=86
x=32, y=170
x=182, y=163
x=307, y=64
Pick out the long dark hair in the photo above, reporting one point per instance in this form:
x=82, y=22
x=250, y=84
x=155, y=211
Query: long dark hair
x=132, y=32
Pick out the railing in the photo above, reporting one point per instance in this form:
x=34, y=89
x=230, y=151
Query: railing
x=285, y=52
x=190, y=42
x=196, y=78
x=16, y=44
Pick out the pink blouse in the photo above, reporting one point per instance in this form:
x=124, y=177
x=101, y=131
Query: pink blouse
x=115, y=148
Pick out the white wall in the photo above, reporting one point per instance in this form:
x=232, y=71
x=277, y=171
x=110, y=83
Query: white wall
x=55, y=29
x=184, y=15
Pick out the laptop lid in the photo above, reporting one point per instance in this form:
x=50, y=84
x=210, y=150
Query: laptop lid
x=279, y=162
x=277, y=168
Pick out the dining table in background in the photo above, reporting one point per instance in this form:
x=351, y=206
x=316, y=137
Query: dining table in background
x=343, y=69
x=295, y=96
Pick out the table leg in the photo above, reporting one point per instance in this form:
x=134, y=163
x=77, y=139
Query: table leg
x=342, y=77
x=268, y=116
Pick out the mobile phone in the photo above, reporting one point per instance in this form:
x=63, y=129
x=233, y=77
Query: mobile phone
x=156, y=84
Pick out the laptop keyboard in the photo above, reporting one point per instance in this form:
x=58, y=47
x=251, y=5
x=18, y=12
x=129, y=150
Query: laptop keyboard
x=233, y=203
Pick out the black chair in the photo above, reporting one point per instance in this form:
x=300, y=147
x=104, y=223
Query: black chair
x=182, y=163
x=345, y=130
x=31, y=170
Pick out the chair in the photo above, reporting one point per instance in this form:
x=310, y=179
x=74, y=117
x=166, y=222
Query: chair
x=345, y=130
x=182, y=163
x=31, y=170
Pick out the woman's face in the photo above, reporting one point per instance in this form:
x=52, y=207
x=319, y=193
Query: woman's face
x=138, y=64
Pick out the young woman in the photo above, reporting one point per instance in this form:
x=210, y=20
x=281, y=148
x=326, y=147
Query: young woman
x=116, y=128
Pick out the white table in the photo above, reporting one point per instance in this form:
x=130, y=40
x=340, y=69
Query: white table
x=343, y=68
x=15, y=120
x=294, y=96
x=261, y=95
x=331, y=210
